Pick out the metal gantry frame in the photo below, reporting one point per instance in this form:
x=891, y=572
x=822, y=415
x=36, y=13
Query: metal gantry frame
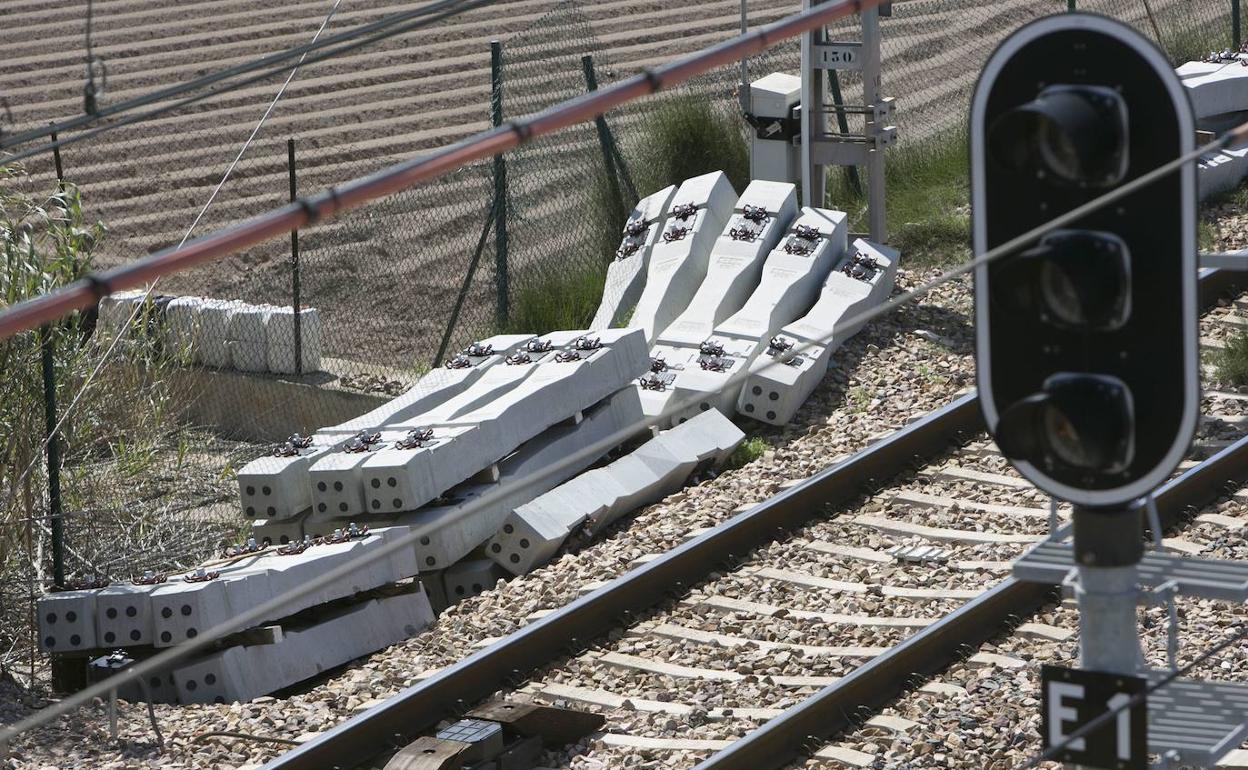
x=822, y=58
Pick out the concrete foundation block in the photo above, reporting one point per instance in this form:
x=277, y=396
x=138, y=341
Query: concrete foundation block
x=248, y=343
x=270, y=532
x=593, y=500
x=115, y=310
x=782, y=378
x=182, y=329
x=470, y=577
x=337, y=476
x=736, y=261
x=67, y=621
x=280, y=340
x=181, y=609
x=462, y=442
x=440, y=385
x=1215, y=88
x=214, y=332
x=242, y=673
x=678, y=261
x=626, y=275
x=1221, y=171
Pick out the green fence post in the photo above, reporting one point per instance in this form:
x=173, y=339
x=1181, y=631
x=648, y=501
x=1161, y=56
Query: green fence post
x=1070, y=5
x=1235, y=24
x=500, y=188
x=604, y=136
x=294, y=259
x=47, y=350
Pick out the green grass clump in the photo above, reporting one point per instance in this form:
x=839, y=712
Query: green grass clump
x=554, y=300
x=1231, y=363
x=750, y=450
x=927, y=200
x=687, y=136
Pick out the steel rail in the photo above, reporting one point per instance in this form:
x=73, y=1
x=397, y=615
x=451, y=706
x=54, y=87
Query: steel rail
x=404, y=716
x=840, y=706
x=309, y=210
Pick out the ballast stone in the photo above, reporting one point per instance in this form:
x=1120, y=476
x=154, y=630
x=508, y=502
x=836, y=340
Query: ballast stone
x=626, y=275
x=534, y=532
x=792, y=275
x=678, y=260
x=783, y=377
x=241, y=673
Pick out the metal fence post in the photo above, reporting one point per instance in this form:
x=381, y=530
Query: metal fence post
x=838, y=102
x=294, y=260
x=591, y=84
x=1070, y=5
x=47, y=350
x=1235, y=43
x=500, y=189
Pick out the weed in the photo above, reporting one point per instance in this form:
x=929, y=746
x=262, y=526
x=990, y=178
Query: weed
x=750, y=450
x=928, y=200
x=564, y=299
x=1231, y=363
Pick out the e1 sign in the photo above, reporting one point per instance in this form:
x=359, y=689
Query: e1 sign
x=1072, y=698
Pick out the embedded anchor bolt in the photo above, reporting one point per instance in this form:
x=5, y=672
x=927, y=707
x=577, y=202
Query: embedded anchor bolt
x=566, y=356
x=415, y=438
x=756, y=214
x=779, y=344
x=711, y=348
x=675, y=234
x=684, y=210
x=714, y=364
x=586, y=343
x=362, y=442
x=636, y=228
x=658, y=364
x=200, y=575
x=515, y=359
x=297, y=547
x=742, y=234
x=460, y=361
x=150, y=578
x=479, y=350
x=537, y=345
x=627, y=250
x=651, y=382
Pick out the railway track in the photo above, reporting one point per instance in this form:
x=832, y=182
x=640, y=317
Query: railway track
x=796, y=618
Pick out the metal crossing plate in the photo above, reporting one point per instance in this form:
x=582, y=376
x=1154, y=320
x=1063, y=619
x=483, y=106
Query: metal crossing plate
x=1200, y=721
x=1224, y=580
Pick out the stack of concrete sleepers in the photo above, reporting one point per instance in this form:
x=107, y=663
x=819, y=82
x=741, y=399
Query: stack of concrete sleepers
x=795, y=361
x=626, y=275
x=792, y=275
x=1219, y=95
x=758, y=221
x=533, y=532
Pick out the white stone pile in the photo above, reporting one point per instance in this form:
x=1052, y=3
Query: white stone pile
x=222, y=334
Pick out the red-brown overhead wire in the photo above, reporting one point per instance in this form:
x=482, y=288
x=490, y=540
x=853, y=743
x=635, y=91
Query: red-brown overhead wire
x=353, y=194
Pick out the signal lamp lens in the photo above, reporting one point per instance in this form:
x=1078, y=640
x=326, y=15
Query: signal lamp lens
x=1078, y=422
x=1074, y=135
x=1073, y=279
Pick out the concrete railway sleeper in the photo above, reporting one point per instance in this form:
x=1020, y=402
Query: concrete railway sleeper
x=945, y=620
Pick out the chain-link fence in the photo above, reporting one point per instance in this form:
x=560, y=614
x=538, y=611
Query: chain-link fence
x=151, y=445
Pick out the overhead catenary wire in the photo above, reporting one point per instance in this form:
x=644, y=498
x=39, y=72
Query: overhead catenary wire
x=271, y=65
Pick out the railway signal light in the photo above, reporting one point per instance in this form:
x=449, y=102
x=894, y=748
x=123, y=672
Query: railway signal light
x=1086, y=340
